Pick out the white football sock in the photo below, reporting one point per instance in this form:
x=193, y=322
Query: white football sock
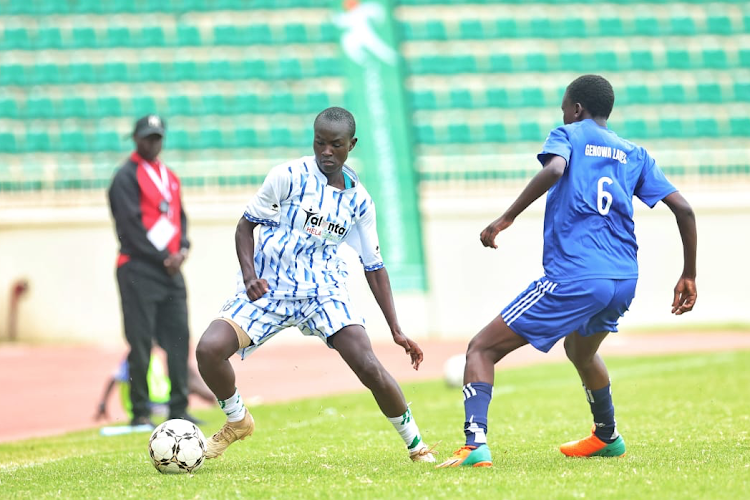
x=233, y=407
x=407, y=429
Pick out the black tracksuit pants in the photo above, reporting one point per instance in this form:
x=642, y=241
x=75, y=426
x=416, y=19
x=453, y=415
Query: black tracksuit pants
x=154, y=308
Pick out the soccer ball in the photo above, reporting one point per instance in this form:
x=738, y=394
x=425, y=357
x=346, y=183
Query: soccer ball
x=177, y=446
x=453, y=370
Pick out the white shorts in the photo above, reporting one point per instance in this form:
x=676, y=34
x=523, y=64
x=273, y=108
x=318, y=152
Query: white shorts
x=256, y=322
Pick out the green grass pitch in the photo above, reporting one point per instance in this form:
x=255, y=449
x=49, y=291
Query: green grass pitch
x=685, y=419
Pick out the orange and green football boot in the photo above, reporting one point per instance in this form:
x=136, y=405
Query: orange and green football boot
x=469, y=456
x=592, y=446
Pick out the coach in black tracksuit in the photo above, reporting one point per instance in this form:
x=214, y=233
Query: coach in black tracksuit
x=152, y=228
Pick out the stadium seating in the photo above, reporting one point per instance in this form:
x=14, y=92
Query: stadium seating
x=480, y=75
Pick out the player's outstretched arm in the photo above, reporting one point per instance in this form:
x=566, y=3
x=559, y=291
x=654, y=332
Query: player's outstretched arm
x=244, y=243
x=685, y=292
x=545, y=179
x=380, y=285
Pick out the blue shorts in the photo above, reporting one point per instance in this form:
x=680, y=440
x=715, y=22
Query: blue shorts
x=548, y=311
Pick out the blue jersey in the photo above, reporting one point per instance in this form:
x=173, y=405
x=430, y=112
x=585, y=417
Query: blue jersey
x=588, y=221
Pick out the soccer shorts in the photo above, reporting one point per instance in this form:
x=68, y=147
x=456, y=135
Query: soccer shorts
x=264, y=318
x=547, y=311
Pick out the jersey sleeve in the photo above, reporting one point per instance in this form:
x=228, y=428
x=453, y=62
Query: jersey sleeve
x=265, y=207
x=364, y=237
x=652, y=185
x=557, y=143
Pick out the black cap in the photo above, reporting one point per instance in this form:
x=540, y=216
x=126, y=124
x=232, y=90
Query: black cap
x=149, y=125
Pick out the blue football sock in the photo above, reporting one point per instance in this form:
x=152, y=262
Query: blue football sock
x=477, y=397
x=603, y=411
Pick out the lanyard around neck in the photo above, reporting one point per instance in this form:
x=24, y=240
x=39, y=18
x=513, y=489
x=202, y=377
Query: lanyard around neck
x=161, y=183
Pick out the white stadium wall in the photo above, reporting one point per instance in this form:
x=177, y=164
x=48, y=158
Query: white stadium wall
x=65, y=247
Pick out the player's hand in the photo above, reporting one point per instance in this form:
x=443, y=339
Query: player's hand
x=174, y=262
x=685, y=294
x=101, y=412
x=487, y=236
x=411, y=347
x=256, y=288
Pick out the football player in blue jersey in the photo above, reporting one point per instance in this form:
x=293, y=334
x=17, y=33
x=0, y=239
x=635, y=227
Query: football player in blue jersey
x=590, y=176
x=293, y=277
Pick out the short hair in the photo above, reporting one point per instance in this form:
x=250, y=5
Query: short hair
x=594, y=93
x=336, y=114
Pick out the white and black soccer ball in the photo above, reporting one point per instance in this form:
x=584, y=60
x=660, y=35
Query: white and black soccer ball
x=453, y=370
x=177, y=446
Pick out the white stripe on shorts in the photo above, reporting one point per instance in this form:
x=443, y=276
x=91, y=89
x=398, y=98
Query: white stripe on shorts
x=529, y=300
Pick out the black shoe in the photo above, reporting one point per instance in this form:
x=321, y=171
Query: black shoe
x=189, y=418
x=142, y=421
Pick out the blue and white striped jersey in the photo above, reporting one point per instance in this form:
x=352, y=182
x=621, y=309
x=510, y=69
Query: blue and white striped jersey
x=303, y=221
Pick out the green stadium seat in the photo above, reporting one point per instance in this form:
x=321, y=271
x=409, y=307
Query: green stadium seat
x=642, y=59
x=107, y=106
x=742, y=91
x=15, y=38
x=245, y=138
x=178, y=139
x=460, y=98
x=80, y=72
x=498, y=98
x=7, y=142
x=647, y=26
x=719, y=25
x=48, y=38
x=673, y=93
x=118, y=36
x=740, y=127
x=715, y=59
x=113, y=72
x=471, y=29
x=572, y=61
x=611, y=27
x=282, y=102
x=246, y=103
x=435, y=30
x=151, y=36
x=150, y=71
x=636, y=94
x=532, y=97
x=227, y=35
x=37, y=141
x=670, y=128
x=44, y=73
x=214, y=104
x=459, y=133
x=425, y=134
x=280, y=137
x=107, y=140
x=683, y=26
x=635, y=128
x=257, y=34
x=288, y=69
x=39, y=107
x=317, y=101
x=536, y=61
x=8, y=107
x=494, y=132
x=73, y=106
x=678, y=59
x=709, y=92
x=706, y=127
x=606, y=60
x=571, y=28
x=179, y=105
x=218, y=69
x=252, y=69
x=73, y=141
x=84, y=38
x=423, y=99
x=188, y=36
x=506, y=28
x=144, y=105
x=540, y=27
x=295, y=33
x=210, y=138
x=530, y=131
x=744, y=57
x=182, y=71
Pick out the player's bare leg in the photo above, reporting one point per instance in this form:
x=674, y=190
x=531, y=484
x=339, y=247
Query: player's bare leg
x=218, y=343
x=490, y=345
x=354, y=346
x=604, y=439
